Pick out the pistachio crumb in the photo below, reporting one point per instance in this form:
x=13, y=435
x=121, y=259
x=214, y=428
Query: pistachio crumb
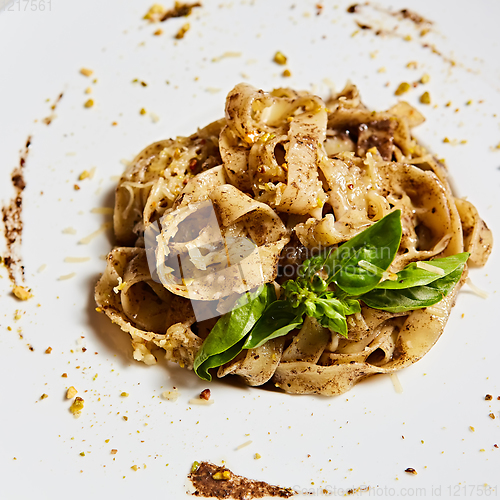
x=411, y=470
x=89, y=103
x=257, y=456
x=425, y=98
x=286, y=73
x=280, y=58
x=425, y=78
x=86, y=72
x=44, y=396
x=403, y=87
x=124, y=394
x=77, y=406
x=222, y=476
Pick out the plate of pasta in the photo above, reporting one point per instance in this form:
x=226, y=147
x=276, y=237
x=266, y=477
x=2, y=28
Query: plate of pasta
x=244, y=264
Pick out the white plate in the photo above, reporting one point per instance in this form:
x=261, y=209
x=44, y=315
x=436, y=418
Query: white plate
x=368, y=436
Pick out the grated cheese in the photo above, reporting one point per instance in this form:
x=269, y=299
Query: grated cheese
x=476, y=290
x=396, y=383
x=76, y=260
x=171, y=395
x=201, y=402
x=243, y=445
x=66, y=276
x=90, y=237
x=429, y=267
x=437, y=311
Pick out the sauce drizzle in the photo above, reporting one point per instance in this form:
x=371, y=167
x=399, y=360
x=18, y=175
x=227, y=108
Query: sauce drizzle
x=12, y=220
x=235, y=487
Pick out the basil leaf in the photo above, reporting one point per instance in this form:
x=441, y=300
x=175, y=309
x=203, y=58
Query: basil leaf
x=331, y=312
x=216, y=360
x=412, y=275
x=351, y=306
x=376, y=245
x=226, y=338
x=278, y=319
x=416, y=297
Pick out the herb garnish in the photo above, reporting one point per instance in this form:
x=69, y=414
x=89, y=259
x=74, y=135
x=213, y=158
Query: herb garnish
x=329, y=287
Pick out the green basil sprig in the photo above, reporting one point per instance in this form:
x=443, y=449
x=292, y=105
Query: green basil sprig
x=330, y=287
x=227, y=338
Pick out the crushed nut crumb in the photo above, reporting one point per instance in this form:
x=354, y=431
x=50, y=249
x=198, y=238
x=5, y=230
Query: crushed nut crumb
x=280, y=58
x=184, y=29
x=222, y=475
x=71, y=392
x=425, y=98
x=77, y=406
x=22, y=293
x=402, y=88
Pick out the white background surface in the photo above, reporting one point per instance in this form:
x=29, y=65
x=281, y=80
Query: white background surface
x=368, y=436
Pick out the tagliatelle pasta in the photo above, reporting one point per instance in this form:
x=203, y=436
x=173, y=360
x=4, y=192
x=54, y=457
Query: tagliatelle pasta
x=289, y=173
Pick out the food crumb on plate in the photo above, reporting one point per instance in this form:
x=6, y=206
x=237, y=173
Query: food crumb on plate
x=280, y=58
x=71, y=392
x=22, y=293
x=77, y=406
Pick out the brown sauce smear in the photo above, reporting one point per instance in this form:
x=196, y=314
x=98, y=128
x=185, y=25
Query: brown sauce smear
x=180, y=10
x=13, y=222
x=48, y=119
x=236, y=487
